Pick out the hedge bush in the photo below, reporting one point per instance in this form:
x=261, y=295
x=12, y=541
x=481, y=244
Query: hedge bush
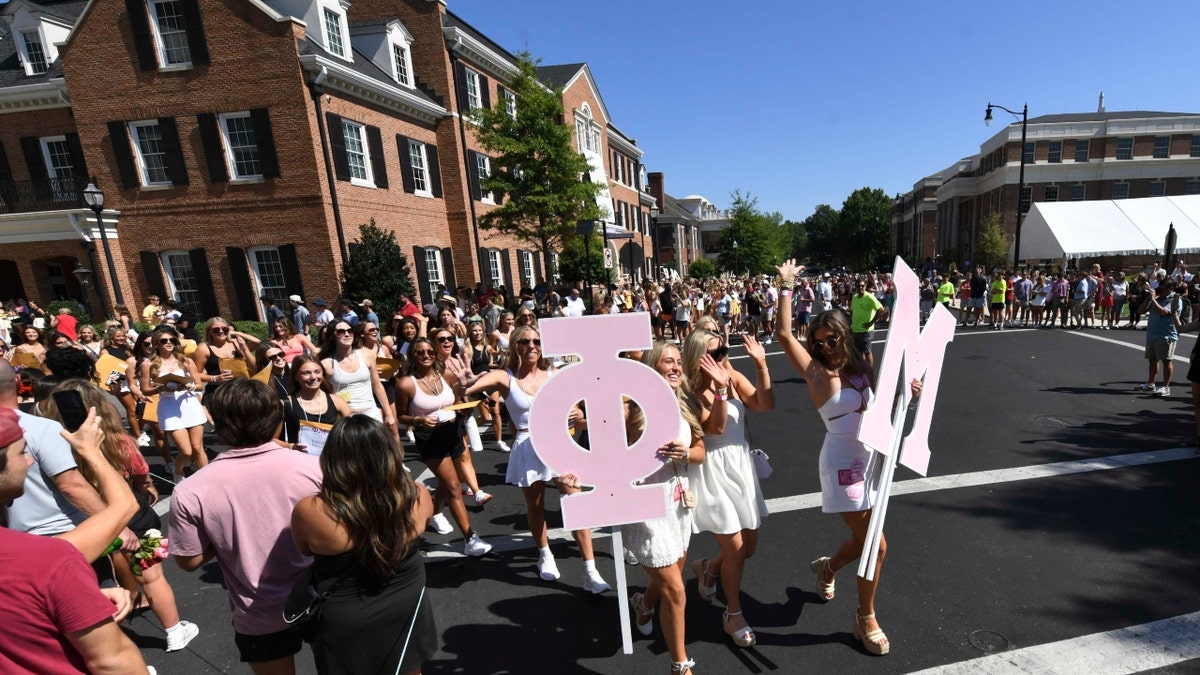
x=73, y=305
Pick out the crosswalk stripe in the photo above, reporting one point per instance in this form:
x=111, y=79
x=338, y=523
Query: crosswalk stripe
x=1127, y=650
x=1130, y=345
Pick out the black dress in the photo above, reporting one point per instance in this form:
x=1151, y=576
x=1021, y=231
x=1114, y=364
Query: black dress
x=366, y=625
x=293, y=413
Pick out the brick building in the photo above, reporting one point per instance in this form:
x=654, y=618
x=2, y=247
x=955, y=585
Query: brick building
x=240, y=144
x=1068, y=157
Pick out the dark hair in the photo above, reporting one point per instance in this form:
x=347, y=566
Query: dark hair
x=41, y=383
x=294, y=372
x=69, y=362
x=329, y=341
x=851, y=360
x=246, y=413
x=366, y=490
x=411, y=365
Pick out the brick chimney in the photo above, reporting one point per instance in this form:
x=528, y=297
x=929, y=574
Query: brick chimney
x=654, y=186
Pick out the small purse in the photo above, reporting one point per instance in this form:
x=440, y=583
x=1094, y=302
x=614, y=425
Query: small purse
x=687, y=498
x=762, y=461
x=302, y=609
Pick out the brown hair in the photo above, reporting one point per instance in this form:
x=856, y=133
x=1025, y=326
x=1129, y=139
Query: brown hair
x=116, y=443
x=847, y=358
x=246, y=413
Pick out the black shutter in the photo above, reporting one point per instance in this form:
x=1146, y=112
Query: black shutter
x=268, y=160
x=243, y=291
x=78, y=163
x=118, y=136
x=173, y=151
x=337, y=145
x=143, y=42
x=508, y=277
x=152, y=267
x=406, y=176
x=204, y=285
x=473, y=174
x=461, y=72
x=291, y=269
x=378, y=163
x=435, y=170
x=422, y=274
x=485, y=265
x=197, y=44
x=7, y=189
x=484, y=95
x=5, y=169
x=501, y=94
x=214, y=150
x=448, y=270
x=537, y=266
x=31, y=147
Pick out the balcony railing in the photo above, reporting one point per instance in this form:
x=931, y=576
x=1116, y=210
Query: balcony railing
x=24, y=196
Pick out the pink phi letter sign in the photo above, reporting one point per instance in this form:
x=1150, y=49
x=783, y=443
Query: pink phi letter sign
x=601, y=379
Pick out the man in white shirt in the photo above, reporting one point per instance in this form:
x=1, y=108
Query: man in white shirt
x=575, y=306
x=824, y=297
x=771, y=297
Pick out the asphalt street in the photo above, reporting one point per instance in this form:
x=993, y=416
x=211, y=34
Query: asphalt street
x=1057, y=532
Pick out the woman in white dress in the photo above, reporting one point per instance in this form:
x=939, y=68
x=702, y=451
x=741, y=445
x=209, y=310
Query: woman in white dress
x=180, y=414
x=661, y=545
x=525, y=371
x=729, y=500
x=840, y=382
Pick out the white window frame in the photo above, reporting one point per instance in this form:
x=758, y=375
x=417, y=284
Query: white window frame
x=496, y=268
x=587, y=132
x=1082, y=187
x=1054, y=157
x=1087, y=149
x=433, y=270
x=1029, y=152
x=173, y=289
x=402, y=72
x=1166, y=151
x=343, y=31
x=160, y=44
x=1124, y=190
x=62, y=191
x=1121, y=140
x=483, y=168
x=1050, y=193
x=527, y=271
x=256, y=272
x=360, y=134
x=419, y=159
x=510, y=103
x=1162, y=188
x=143, y=170
x=26, y=59
x=554, y=265
x=230, y=158
x=474, y=91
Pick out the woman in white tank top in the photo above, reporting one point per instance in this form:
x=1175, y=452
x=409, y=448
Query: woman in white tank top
x=352, y=372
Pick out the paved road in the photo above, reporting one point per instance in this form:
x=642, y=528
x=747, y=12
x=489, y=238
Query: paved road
x=1057, y=530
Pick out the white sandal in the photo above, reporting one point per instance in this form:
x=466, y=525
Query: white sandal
x=682, y=667
x=640, y=610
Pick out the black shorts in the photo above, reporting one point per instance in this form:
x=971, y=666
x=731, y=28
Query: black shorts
x=269, y=647
x=682, y=325
x=862, y=342
x=1193, y=374
x=997, y=306
x=444, y=440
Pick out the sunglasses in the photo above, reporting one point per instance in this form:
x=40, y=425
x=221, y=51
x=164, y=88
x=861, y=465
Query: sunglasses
x=343, y=331
x=829, y=342
x=275, y=356
x=719, y=353
x=168, y=342
x=220, y=331
x=525, y=342
x=444, y=339
x=423, y=352
x=372, y=330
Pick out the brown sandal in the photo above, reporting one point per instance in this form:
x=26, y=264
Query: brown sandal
x=820, y=567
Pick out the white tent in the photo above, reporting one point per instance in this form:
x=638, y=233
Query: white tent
x=1059, y=230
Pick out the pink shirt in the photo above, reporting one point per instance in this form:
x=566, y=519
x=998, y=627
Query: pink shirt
x=241, y=505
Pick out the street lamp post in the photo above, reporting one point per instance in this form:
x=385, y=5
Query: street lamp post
x=1024, y=117
x=654, y=239
x=735, y=257
x=94, y=197
x=84, y=276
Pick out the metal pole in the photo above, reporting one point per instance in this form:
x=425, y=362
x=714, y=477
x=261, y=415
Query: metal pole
x=112, y=268
x=654, y=243
x=1021, y=191
x=587, y=268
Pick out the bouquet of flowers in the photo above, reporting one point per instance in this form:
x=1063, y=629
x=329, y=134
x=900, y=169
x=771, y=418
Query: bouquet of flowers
x=153, y=550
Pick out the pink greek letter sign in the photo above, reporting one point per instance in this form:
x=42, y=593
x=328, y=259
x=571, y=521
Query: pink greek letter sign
x=909, y=353
x=610, y=467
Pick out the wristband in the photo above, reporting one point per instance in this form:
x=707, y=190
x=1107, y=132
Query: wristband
x=785, y=294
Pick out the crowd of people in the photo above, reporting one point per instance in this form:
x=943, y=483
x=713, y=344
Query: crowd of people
x=326, y=550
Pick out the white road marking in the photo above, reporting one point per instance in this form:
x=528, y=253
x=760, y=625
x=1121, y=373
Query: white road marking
x=1157, y=644
x=1130, y=345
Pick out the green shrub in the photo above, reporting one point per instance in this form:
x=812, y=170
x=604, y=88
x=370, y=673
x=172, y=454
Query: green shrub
x=74, y=306
x=702, y=269
x=256, y=328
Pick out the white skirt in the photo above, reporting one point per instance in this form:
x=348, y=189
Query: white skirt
x=524, y=466
x=729, y=498
x=848, y=475
x=180, y=412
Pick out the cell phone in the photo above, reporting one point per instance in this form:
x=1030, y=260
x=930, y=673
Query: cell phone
x=139, y=409
x=70, y=406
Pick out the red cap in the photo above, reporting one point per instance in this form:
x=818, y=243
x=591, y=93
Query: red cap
x=10, y=427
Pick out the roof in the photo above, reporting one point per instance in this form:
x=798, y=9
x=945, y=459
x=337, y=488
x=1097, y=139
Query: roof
x=1103, y=116
x=362, y=65
x=1054, y=230
x=671, y=210
x=452, y=20
x=557, y=77
x=67, y=10
x=12, y=73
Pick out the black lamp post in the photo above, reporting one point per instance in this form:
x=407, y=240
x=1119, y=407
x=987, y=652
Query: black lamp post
x=735, y=257
x=1024, y=117
x=654, y=239
x=94, y=197
x=84, y=276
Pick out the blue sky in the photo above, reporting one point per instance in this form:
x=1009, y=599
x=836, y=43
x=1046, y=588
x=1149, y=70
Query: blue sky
x=800, y=103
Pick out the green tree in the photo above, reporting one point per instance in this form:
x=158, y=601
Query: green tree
x=582, y=259
x=864, y=226
x=991, y=243
x=798, y=237
x=821, y=228
x=376, y=269
x=762, y=239
x=702, y=269
x=534, y=166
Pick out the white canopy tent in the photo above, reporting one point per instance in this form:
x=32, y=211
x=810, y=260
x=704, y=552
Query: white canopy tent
x=1061, y=230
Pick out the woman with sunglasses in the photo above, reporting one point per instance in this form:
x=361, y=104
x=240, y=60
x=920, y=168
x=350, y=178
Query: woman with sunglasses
x=481, y=356
x=89, y=341
x=840, y=381
x=422, y=397
x=310, y=398
x=142, y=351
x=729, y=499
x=352, y=372
x=661, y=545
x=222, y=342
x=270, y=356
x=180, y=414
x=446, y=346
x=524, y=373
x=116, y=344
x=293, y=344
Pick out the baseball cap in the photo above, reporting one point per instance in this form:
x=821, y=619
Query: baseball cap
x=296, y=298
x=825, y=276
x=10, y=427
x=366, y=303
x=319, y=302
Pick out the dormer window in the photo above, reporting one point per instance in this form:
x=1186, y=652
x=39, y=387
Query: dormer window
x=402, y=64
x=35, y=55
x=168, y=35
x=335, y=40
x=170, y=30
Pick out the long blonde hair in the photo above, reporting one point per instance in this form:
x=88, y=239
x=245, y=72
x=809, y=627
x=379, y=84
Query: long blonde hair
x=513, y=360
x=695, y=346
x=156, y=359
x=689, y=405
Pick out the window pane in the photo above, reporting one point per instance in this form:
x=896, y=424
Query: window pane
x=400, y=54
x=1028, y=156
x=1055, y=151
x=1078, y=193
x=1120, y=190
x=1050, y=194
x=270, y=275
x=496, y=271
x=243, y=147
x=333, y=32
x=1158, y=188
x=60, y=159
x=1196, y=146
x=183, y=281
x=172, y=33
x=35, y=52
x=149, y=142
x=1192, y=187
x=355, y=150
x=433, y=272
x=416, y=154
x=1081, y=150
x=483, y=166
x=1162, y=147
x=473, y=97
x=1026, y=197
x=1124, y=148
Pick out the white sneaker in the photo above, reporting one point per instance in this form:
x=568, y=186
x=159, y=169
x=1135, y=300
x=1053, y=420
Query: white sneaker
x=768, y=341
x=1163, y=392
x=476, y=547
x=408, y=437
x=595, y=584
x=143, y=441
x=482, y=498
x=630, y=558
x=1145, y=387
x=502, y=446
x=441, y=524
x=547, y=568
x=181, y=637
